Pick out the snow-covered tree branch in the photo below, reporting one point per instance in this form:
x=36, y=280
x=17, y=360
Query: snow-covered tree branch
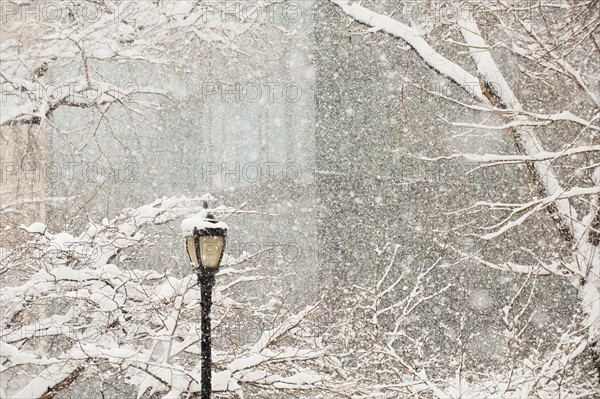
x=69, y=314
x=54, y=54
x=560, y=186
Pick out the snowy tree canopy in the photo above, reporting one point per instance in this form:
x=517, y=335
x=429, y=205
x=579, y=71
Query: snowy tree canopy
x=410, y=189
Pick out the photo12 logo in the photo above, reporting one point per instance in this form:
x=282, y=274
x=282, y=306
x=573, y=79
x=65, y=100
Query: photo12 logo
x=81, y=93
x=285, y=13
x=68, y=172
x=62, y=12
x=251, y=172
x=269, y=92
x=251, y=92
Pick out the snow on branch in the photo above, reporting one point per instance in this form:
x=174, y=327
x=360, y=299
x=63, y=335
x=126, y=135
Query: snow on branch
x=550, y=119
x=545, y=119
x=143, y=324
x=499, y=94
x=37, y=104
x=503, y=159
x=435, y=60
x=133, y=33
x=524, y=211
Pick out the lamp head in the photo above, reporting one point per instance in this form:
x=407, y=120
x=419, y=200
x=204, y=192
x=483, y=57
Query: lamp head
x=206, y=243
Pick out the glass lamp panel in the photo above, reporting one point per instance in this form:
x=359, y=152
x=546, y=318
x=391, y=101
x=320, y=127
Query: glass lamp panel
x=191, y=249
x=211, y=248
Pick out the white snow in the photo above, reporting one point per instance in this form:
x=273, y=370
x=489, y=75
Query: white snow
x=480, y=300
x=37, y=227
x=67, y=273
x=16, y=357
x=199, y=221
x=105, y=303
x=4, y=253
x=127, y=229
x=46, y=379
x=63, y=241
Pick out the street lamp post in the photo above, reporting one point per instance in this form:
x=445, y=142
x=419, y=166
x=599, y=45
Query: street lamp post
x=205, y=243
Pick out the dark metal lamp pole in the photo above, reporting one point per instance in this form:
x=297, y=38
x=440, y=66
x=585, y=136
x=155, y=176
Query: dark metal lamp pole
x=205, y=249
x=206, y=281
